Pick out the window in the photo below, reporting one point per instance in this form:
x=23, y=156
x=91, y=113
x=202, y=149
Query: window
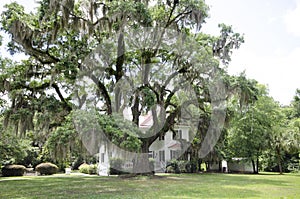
x=173, y=154
x=162, y=156
x=102, y=157
x=151, y=154
x=161, y=137
x=177, y=135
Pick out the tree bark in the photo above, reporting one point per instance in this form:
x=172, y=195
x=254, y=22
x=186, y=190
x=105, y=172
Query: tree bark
x=119, y=70
x=199, y=164
x=253, y=166
x=257, y=163
x=141, y=164
x=104, y=92
x=279, y=160
x=135, y=109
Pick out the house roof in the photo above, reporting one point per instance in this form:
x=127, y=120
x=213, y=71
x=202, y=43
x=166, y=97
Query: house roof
x=175, y=146
x=146, y=121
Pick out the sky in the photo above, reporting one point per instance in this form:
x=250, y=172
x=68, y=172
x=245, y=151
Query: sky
x=271, y=51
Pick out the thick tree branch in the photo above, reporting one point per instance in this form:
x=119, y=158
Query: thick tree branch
x=104, y=92
x=61, y=97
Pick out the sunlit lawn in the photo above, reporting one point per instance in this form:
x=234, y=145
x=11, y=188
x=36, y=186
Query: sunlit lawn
x=164, y=186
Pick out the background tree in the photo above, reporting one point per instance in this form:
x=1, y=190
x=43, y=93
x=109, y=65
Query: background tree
x=249, y=129
x=296, y=104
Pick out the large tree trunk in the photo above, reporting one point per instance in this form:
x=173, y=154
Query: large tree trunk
x=220, y=166
x=279, y=159
x=104, y=93
x=141, y=164
x=119, y=71
x=257, y=163
x=253, y=166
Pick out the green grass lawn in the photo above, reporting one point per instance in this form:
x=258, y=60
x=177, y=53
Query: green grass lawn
x=164, y=186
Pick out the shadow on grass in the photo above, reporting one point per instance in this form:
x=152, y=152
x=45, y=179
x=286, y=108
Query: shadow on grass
x=269, y=174
x=161, y=186
x=228, y=192
x=245, y=181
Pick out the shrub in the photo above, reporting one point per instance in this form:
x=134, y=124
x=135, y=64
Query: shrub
x=293, y=167
x=88, y=169
x=170, y=169
x=93, y=169
x=174, y=164
x=13, y=170
x=188, y=167
x=84, y=168
x=182, y=166
x=191, y=167
x=46, y=168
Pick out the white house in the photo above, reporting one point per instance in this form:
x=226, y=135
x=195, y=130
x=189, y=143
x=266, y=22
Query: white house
x=163, y=149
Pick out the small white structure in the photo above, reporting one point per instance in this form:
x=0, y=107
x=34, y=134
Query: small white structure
x=224, y=166
x=167, y=147
x=68, y=171
x=219, y=167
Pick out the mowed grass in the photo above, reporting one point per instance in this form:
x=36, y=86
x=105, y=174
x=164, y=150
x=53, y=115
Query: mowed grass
x=162, y=186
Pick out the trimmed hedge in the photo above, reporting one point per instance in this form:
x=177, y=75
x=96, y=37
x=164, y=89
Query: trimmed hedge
x=46, y=168
x=88, y=169
x=13, y=170
x=84, y=168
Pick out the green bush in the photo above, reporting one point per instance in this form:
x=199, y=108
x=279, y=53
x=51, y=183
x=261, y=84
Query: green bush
x=174, y=164
x=191, y=166
x=13, y=170
x=84, y=168
x=13, y=149
x=170, y=169
x=294, y=167
x=93, y=169
x=46, y=168
x=88, y=169
x=182, y=166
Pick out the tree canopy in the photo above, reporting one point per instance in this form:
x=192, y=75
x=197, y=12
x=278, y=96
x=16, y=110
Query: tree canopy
x=88, y=62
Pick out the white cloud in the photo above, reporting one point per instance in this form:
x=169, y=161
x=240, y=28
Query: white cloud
x=280, y=71
x=292, y=19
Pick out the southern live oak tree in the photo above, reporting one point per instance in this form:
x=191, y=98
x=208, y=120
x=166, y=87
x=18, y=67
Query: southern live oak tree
x=60, y=40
